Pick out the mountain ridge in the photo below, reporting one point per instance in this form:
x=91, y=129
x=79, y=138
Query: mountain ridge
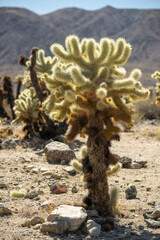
x=22, y=29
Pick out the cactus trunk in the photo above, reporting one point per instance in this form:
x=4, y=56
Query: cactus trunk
x=98, y=153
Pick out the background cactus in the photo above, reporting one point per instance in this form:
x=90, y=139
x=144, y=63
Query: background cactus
x=89, y=86
x=33, y=78
x=156, y=76
x=6, y=94
x=27, y=110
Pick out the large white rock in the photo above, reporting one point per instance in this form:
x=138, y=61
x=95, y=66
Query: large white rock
x=57, y=152
x=74, y=216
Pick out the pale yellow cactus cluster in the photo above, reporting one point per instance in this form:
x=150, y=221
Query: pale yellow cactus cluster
x=45, y=64
x=26, y=106
x=156, y=76
x=87, y=77
x=26, y=79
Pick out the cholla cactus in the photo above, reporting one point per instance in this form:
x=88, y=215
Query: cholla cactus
x=156, y=76
x=89, y=86
x=27, y=108
x=79, y=167
x=45, y=64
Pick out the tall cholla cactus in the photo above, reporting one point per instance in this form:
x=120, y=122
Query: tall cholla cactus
x=89, y=87
x=26, y=107
x=156, y=76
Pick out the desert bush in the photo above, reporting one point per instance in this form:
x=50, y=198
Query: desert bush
x=148, y=109
x=89, y=86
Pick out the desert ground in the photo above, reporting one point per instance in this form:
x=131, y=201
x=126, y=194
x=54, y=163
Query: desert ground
x=142, y=140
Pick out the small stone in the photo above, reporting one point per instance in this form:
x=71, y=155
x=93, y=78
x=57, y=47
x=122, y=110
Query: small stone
x=57, y=227
x=70, y=170
x=29, y=167
x=56, y=176
x=37, y=226
x=93, y=229
x=47, y=204
x=57, y=151
x=9, y=144
x=136, y=166
x=106, y=223
x=152, y=223
x=31, y=195
x=57, y=188
x=26, y=223
x=3, y=185
x=141, y=160
x=44, y=170
x=148, y=189
x=74, y=216
x=4, y=210
x=131, y=192
x=37, y=220
x=126, y=162
x=156, y=212
x=47, y=173
x=74, y=189
x=35, y=170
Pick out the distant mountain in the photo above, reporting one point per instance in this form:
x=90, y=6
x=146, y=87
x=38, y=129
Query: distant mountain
x=21, y=29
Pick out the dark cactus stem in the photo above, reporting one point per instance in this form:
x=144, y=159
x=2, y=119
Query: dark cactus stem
x=33, y=75
x=19, y=84
x=8, y=92
x=98, y=153
x=3, y=113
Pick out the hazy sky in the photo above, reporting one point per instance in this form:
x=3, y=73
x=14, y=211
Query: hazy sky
x=46, y=6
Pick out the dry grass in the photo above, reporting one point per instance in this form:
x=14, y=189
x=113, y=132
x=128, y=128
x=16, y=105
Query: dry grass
x=147, y=110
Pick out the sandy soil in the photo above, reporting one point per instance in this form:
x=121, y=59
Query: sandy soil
x=143, y=140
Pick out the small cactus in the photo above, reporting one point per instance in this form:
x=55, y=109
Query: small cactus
x=26, y=106
x=156, y=76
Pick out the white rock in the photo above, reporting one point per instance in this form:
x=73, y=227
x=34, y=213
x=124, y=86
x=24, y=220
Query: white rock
x=47, y=173
x=74, y=216
x=58, y=227
x=35, y=170
x=47, y=203
x=44, y=169
x=93, y=229
x=70, y=170
x=152, y=223
x=141, y=160
x=57, y=151
x=29, y=167
x=156, y=212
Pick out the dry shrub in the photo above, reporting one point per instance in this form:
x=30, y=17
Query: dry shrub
x=147, y=109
